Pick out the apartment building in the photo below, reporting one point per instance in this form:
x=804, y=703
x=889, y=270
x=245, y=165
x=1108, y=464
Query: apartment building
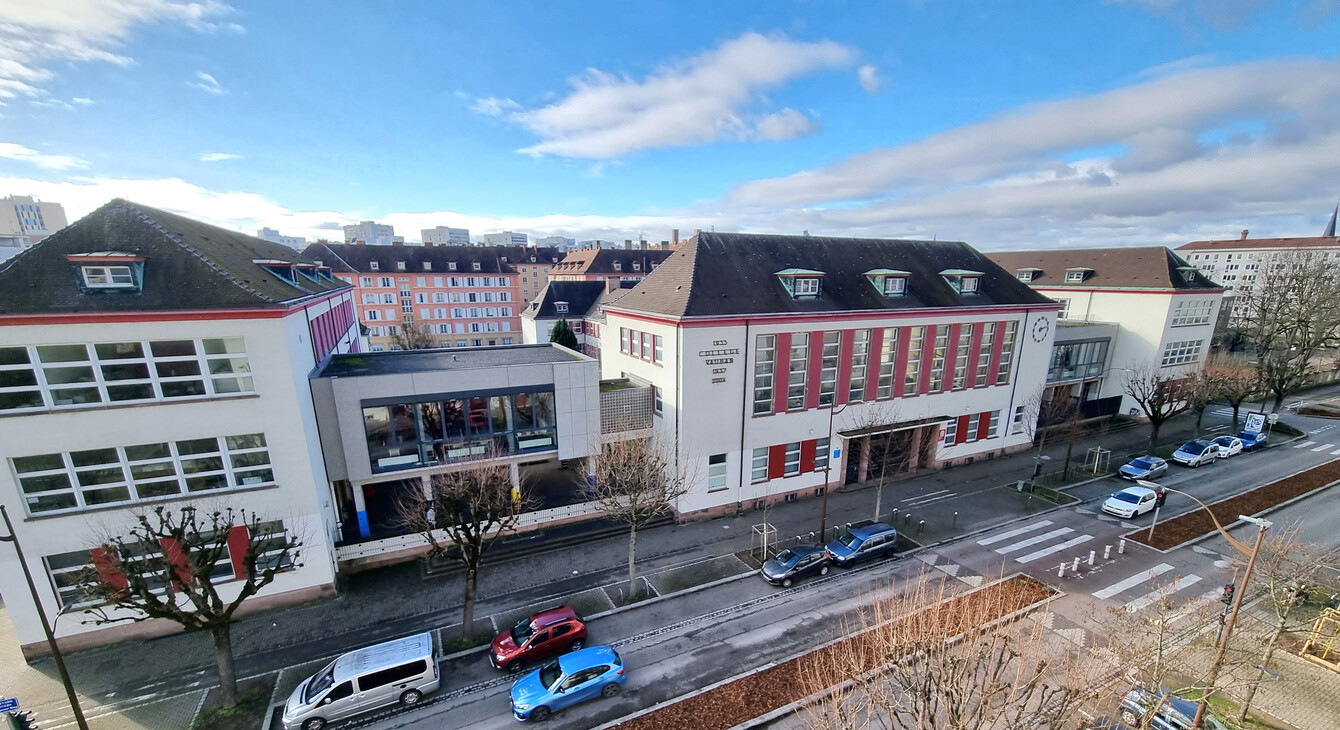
x=371, y=232
x=561, y=243
x=611, y=264
x=149, y=360
x=1236, y=264
x=274, y=236
x=832, y=349
x=504, y=238
x=445, y=236
x=25, y=221
x=581, y=303
x=467, y=296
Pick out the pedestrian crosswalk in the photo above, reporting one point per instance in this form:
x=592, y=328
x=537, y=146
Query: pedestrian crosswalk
x=1324, y=447
x=1035, y=539
x=1305, y=444
x=1150, y=590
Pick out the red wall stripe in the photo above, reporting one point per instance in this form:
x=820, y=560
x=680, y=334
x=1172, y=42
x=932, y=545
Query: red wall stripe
x=816, y=362
x=845, y=349
x=927, y=356
x=951, y=354
x=781, y=372
x=776, y=461
x=238, y=542
x=900, y=369
x=996, y=347
x=961, y=433
x=983, y=425
x=973, y=350
x=872, y=372
x=807, y=451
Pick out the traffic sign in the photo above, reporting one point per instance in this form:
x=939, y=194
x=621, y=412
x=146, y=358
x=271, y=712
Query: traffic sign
x=1255, y=422
x=9, y=704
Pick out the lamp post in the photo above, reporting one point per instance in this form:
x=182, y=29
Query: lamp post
x=828, y=465
x=13, y=537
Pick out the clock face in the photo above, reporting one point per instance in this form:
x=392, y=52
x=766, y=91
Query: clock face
x=1041, y=328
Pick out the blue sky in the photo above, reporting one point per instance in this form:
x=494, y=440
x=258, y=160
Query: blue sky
x=1006, y=124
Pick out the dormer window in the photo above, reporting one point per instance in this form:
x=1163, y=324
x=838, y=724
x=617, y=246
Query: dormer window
x=503, y=259
x=1077, y=274
x=889, y=282
x=561, y=307
x=895, y=286
x=428, y=266
x=532, y=259
x=400, y=266
x=637, y=266
x=1188, y=273
x=475, y=266
x=802, y=283
x=108, y=277
x=969, y=285
x=963, y=280
x=1027, y=275
x=807, y=287
x=451, y=266
x=374, y=266
x=618, y=266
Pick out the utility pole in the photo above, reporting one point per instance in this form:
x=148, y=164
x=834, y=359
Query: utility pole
x=46, y=627
x=828, y=465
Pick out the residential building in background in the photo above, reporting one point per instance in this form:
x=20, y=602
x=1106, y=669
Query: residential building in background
x=581, y=303
x=469, y=296
x=149, y=360
x=1236, y=264
x=25, y=221
x=557, y=242
x=1120, y=308
x=834, y=350
x=444, y=236
x=274, y=236
x=504, y=238
x=372, y=233
x=619, y=264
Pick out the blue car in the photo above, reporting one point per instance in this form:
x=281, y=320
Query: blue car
x=1252, y=440
x=596, y=671
x=863, y=541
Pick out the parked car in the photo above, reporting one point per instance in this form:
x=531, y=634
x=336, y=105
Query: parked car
x=1229, y=446
x=1131, y=502
x=792, y=563
x=1196, y=453
x=546, y=633
x=1173, y=713
x=596, y=671
x=863, y=541
x=403, y=671
x=1251, y=440
x=1107, y=723
x=1144, y=467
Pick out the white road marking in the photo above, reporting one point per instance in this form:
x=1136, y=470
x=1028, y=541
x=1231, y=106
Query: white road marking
x=1033, y=540
x=932, y=500
x=1012, y=533
x=1324, y=447
x=1335, y=453
x=923, y=496
x=1132, y=581
x=1304, y=445
x=1152, y=596
x=1054, y=549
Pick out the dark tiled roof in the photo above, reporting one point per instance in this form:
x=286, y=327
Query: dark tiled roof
x=735, y=273
x=1236, y=244
x=188, y=265
x=350, y=258
x=601, y=261
x=399, y=362
x=581, y=296
x=1149, y=266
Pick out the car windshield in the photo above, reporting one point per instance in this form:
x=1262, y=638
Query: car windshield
x=1224, y=441
x=848, y=539
x=1142, y=463
x=1192, y=447
x=319, y=684
x=549, y=675
x=1127, y=497
x=786, y=556
x=1247, y=436
x=522, y=631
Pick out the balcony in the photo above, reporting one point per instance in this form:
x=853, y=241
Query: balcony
x=626, y=409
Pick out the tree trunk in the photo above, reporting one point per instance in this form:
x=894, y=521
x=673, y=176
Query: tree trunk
x=1235, y=416
x=632, y=559
x=468, y=611
x=1154, y=427
x=1200, y=416
x=879, y=495
x=1261, y=674
x=1069, y=448
x=1279, y=401
x=223, y=654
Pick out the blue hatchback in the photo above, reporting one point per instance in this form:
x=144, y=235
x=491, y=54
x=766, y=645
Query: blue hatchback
x=596, y=671
x=863, y=541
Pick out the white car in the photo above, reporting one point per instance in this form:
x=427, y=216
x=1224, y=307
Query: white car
x=1229, y=446
x=1131, y=502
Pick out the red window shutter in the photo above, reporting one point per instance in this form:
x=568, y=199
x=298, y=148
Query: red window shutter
x=238, y=542
x=107, y=572
x=776, y=461
x=807, y=450
x=172, y=550
x=983, y=424
x=961, y=433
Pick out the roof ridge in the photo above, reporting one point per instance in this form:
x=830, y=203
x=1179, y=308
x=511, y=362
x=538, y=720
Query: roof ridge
x=174, y=238
x=326, y=245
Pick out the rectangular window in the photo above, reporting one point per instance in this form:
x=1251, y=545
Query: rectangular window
x=951, y=432
x=365, y=281
x=623, y=340
x=388, y=298
x=974, y=423
x=107, y=277
x=938, y=359
x=1178, y=353
x=961, y=357
x=658, y=355
x=894, y=285
x=860, y=360
x=646, y=346
x=993, y=426
x=657, y=405
x=369, y=298
x=1017, y=421
x=716, y=472
x=807, y=287
x=888, y=363
x=385, y=282
x=828, y=367
x=1064, y=311
x=765, y=356
x=759, y=471
x=1192, y=312
x=984, y=354
x=1006, y=353
x=420, y=281
x=792, y=459
x=912, y=380
x=821, y=454
x=798, y=371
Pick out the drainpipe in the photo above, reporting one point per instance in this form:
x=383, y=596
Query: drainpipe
x=745, y=411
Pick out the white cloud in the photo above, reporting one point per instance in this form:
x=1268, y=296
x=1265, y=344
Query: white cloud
x=37, y=35
x=20, y=153
x=218, y=156
x=711, y=96
x=868, y=76
x=82, y=101
x=207, y=83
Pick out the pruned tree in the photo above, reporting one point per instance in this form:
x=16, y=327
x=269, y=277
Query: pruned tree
x=411, y=336
x=1048, y=417
x=1237, y=380
x=167, y=564
x=885, y=455
x=562, y=334
x=1290, y=314
x=461, y=513
x=1199, y=389
x=1158, y=393
x=635, y=481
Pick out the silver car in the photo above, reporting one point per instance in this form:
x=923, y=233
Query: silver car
x=401, y=671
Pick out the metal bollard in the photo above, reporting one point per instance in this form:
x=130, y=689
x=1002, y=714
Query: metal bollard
x=1092, y=553
x=1060, y=572
x=1121, y=547
x=921, y=527
x=1075, y=567
x=955, y=518
x=1107, y=552
x=893, y=516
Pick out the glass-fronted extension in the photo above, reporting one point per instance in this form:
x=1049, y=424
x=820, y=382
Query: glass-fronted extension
x=1076, y=360
x=438, y=431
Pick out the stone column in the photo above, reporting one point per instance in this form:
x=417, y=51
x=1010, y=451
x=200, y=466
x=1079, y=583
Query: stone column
x=914, y=461
x=864, y=466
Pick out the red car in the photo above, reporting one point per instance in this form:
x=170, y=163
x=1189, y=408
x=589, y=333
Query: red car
x=552, y=631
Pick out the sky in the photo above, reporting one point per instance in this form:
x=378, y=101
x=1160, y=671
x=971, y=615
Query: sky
x=1005, y=124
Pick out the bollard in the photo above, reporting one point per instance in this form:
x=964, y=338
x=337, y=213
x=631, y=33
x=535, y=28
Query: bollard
x=1060, y=572
x=1075, y=567
x=1092, y=553
x=921, y=527
x=893, y=516
x=1107, y=552
x=955, y=518
x=1121, y=547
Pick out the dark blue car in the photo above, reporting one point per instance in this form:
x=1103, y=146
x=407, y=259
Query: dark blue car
x=863, y=541
x=596, y=671
x=1252, y=440
x=785, y=567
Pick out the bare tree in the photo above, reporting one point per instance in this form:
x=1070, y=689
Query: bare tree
x=637, y=480
x=410, y=336
x=1158, y=393
x=463, y=512
x=166, y=565
x=885, y=454
x=1237, y=381
x=1199, y=390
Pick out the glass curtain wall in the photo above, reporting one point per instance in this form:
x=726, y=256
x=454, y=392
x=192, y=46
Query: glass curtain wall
x=405, y=435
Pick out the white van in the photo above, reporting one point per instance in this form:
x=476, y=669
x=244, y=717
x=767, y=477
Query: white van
x=401, y=671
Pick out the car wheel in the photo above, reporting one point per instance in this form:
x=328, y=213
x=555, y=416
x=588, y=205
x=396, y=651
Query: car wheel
x=539, y=714
x=576, y=644
x=823, y=570
x=513, y=666
x=786, y=583
x=1129, y=717
x=410, y=697
x=314, y=723
x=610, y=690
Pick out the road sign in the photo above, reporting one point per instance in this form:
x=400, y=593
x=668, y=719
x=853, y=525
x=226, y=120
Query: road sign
x=9, y=704
x=1255, y=422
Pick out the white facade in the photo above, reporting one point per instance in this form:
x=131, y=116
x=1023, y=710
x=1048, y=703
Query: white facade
x=444, y=236
x=504, y=238
x=274, y=236
x=559, y=242
x=25, y=221
x=372, y=232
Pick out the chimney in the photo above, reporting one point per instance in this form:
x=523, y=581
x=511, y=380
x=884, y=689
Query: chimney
x=674, y=236
x=628, y=244
x=1244, y=235
x=611, y=284
x=397, y=243
x=428, y=244
x=665, y=245
x=642, y=245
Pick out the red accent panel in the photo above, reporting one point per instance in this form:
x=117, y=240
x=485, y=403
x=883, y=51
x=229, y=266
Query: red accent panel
x=872, y=372
x=776, y=461
x=781, y=372
x=238, y=542
x=983, y=425
x=807, y=450
x=172, y=551
x=851, y=317
x=997, y=345
x=816, y=363
x=107, y=572
x=961, y=433
x=951, y=354
x=973, y=350
x=900, y=369
x=927, y=355
x=848, y=344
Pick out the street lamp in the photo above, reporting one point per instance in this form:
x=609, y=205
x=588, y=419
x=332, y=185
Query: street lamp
x=828, y=465
x=13, y=537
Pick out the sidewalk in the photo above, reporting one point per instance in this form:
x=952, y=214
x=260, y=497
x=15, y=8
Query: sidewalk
x=401, y=599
